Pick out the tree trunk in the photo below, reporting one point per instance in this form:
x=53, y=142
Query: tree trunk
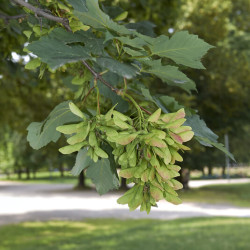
x=81, y=180
x=61, y=171
x=27, y=173
x=210, y=170
x=19, y=174
x=203, y=172
x=223, y=172
x=184, y=178
x=123, y=184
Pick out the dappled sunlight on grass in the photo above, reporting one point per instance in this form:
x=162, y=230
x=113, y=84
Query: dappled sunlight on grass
x=111, y=234
x=235, y=194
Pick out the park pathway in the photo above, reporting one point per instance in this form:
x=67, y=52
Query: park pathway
x=39, y=202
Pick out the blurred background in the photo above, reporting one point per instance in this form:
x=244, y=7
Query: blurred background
x=212, y=181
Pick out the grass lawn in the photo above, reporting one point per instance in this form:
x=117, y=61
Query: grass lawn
x=236, y=194
x=111, y=234
x=46, y=177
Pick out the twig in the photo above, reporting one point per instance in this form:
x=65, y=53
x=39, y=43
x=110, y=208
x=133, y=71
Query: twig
x=85, y=97
x=6, y=18
x=99, y=77
x=41, y=12
x=145, y=110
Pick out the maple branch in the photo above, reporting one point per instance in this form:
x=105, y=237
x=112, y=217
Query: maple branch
x=43, y=13
x=65, y=23
x=6, y=17
x=99, y=77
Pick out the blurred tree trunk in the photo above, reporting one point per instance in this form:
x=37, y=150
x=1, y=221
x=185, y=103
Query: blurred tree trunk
x=184, y=178
x=61, y=170
x=123, y=184
x=81, y=180
x=223, y=171
x=210, y=170
x=27, y=170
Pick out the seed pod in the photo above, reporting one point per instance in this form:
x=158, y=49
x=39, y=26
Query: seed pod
x=109, y=131
x=72, y=148
x=151, y=175
x=128, y=196
x=175, y=155
x=159, y=133
x=125, y=139
x=157, y=184
x=68, y=129
x=92, y=139
x=145, y=175
x=127, y=173
x=156, y=193
x=186, y=136
x=155, y=142
x=121, y=124
x=169, y=189
x=154, y=162
x=172, y=198
x=175, y=124
x=155, y=116
x=169, y=141
x=140, y=169
x=164, y=173
x=181, y=129
x=95, y=157
x=75, y=110
x=137, y=200
x=122, y=116
x=176, y=138
x=176, y=184
x=132, y=158
x=174, y=167
x=80, y=136
x=148, y=207
x=101, y=153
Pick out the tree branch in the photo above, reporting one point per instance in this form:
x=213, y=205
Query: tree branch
x=65, y=23
x=99, y=77
x=7, y=17
x=42, y=13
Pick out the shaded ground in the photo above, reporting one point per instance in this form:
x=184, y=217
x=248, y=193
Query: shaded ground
x=31, y=202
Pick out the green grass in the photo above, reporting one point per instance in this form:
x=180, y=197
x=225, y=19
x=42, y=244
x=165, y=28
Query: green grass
x=45, y=177
x=111, y=234
x=235, y=194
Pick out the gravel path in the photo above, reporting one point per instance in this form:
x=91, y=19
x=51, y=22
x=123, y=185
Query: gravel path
x=39, y=202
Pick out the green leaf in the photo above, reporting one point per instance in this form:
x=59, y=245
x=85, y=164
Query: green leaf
x=33, y=64
x=220, y=146
x=103, y=176
x=133, y=42
x=117, y=67
x=79, y=5
x=56, y=53
x=55, y=49
x=182, y=48
x=169, y=74
x=42, y=133
x=95, y=17
x=82, y=162
x=200, y=129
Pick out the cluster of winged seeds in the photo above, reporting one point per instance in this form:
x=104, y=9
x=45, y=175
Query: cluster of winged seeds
x=146, y=155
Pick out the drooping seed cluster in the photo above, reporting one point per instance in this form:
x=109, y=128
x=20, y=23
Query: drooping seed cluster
x=146, y=155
